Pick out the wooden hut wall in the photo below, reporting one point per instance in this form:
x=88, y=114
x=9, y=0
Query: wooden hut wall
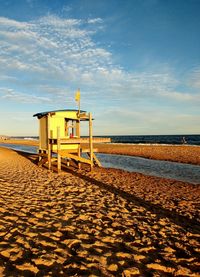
x=43, y=133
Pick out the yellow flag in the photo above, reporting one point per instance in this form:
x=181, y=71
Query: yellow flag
x=78, y=95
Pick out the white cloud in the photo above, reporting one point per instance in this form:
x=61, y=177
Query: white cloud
x=194, y=78
x=66, y=8
x=182, y=97
x=54, y=51
x=12, y=95
x=50, y=45
x=95, y=20
x=9, y=23
x=46, y=60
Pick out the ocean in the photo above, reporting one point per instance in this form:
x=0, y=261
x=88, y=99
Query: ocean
x=155, y=139
x=149, y=139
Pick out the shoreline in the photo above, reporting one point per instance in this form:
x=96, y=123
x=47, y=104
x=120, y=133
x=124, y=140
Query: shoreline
x=174, y=153
x=188, y=154
x=107, y=222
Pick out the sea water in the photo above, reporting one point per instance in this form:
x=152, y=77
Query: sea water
x=171, y=170
x=153, y=139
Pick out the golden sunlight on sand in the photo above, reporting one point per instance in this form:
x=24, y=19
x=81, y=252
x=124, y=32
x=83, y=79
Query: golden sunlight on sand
x=102, y=223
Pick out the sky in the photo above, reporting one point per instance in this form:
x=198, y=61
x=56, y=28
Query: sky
x=136, y=62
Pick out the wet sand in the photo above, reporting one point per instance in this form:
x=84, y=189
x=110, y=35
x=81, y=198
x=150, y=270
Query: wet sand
x=175, y=153
x=102, y=223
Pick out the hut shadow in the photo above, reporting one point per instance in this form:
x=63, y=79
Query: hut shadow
x=180, y=220
x=30, y=156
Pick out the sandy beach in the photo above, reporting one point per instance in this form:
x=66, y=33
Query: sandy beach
x=106, y=222
x=20, y=141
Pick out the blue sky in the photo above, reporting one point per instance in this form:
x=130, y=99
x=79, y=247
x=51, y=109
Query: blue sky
x=136, y=62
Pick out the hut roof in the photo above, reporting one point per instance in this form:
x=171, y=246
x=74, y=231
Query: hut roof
x=41, y=114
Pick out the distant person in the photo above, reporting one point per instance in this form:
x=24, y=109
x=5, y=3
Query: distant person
x=184, y=140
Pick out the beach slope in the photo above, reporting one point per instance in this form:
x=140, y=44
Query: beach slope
x=102, y=223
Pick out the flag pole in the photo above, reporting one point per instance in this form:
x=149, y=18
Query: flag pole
x=79, y=103
x=78, y=99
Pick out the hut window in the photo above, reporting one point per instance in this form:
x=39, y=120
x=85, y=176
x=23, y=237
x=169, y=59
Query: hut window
x=70, y=128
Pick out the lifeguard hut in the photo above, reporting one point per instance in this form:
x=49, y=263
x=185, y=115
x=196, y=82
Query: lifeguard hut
x=60, y=139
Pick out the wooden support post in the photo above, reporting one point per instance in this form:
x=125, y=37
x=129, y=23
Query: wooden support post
x=58, y=150
x=40, y=136
x=95, y=159
x=79, y=155
x=49, y=155
x=49, y=143
x=78, y=136
x=91, y=140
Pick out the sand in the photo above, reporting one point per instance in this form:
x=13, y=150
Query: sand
x=102, y=223
x=20, y=141
x=177, y=153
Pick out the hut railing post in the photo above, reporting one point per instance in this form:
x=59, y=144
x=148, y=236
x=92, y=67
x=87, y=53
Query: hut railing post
x=49, y=142
x=40, y=136
x=58, y=150
x=78, y=135
x=49, y=155
x=91, y=140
